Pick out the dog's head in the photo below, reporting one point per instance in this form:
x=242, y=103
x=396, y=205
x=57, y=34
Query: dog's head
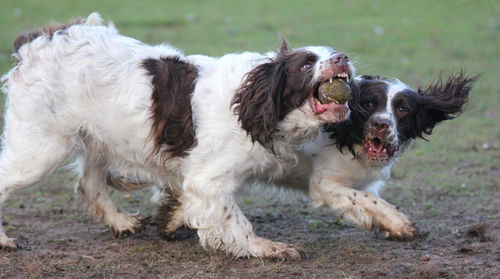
x=289, y=81
x=386, y=115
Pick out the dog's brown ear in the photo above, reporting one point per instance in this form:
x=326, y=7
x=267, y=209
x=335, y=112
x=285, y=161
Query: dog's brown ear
x=258, y=101
x=443, y=101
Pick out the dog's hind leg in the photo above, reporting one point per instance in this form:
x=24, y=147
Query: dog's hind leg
x=170, y=217
x=93, y=186
x=29, y=153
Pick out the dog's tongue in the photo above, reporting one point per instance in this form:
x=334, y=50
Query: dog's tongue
x=376, y=146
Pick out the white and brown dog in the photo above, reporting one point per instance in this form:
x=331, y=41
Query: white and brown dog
x=201, y=125
x=350, y=162
x=347, y=165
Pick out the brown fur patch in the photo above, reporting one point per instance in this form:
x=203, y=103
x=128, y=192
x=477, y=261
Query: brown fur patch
x=169, y=206
x=173, y=82
x=124, y=183
x=271, y=90
x=49, y=30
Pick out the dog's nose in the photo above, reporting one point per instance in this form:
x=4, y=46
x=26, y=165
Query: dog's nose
x=340, y=58
x=335, y=65
x=339, y=63
x=380, y=125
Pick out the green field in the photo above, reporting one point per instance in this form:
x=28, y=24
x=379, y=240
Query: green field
x=457, y=173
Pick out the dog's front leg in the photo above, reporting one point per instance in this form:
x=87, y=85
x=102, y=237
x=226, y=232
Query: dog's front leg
x=362, y=208
x=210, y=208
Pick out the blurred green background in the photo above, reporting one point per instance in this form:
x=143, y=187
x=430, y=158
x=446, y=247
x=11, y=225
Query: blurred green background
x=411, y=40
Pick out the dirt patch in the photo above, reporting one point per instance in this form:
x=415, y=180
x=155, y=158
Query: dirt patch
x=481, y=231
x=58, y=239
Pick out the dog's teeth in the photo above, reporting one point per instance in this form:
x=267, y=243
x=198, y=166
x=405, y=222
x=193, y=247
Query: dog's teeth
x=331, y=80
x=385, y=150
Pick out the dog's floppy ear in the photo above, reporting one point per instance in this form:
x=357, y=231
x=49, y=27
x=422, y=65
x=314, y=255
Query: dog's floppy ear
x=442, y=101
x=258, y=100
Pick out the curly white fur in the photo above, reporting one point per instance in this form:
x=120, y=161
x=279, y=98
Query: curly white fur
x=84, y=90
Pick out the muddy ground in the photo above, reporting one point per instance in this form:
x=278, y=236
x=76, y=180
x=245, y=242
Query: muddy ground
x=58, y=239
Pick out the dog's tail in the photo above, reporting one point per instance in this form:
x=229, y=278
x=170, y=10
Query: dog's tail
x=94, y=19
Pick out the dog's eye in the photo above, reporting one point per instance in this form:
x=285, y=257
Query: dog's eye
x=368, y=104
x=305, y=67
x=402, y=111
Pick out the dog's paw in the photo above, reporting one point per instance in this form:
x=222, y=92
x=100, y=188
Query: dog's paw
x=127, y=225
x=180, y=234
x=405, y=232
x=264, y=248
x=7, y=243
x=397, y=226
x=285, y=252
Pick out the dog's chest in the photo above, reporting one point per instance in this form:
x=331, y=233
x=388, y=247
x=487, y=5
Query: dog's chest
x=271, y=165
x=371, y=179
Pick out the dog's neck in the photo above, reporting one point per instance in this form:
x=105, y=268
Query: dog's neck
x=296, y=128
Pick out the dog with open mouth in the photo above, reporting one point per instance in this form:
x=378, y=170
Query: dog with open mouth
x=349, y=162
x=200, y=125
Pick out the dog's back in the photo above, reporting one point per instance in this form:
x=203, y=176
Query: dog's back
x=71, y=86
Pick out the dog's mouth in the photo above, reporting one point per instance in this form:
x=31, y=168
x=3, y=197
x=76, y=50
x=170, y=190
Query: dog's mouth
x=379, y=152
x=331, y=94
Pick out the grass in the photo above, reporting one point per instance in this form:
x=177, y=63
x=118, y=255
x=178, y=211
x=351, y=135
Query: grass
x=410, y=41
x=413, y=41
